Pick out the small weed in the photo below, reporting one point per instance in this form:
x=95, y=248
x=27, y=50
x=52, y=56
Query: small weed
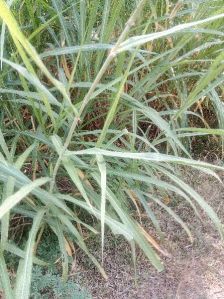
x=50, y=285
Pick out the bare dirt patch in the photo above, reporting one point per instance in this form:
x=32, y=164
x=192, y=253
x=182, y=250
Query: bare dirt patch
x=194, y=271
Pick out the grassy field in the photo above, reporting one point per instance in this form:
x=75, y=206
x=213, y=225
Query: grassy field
x=100, y=102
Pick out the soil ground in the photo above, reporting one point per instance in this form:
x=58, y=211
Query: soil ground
x=194, y=271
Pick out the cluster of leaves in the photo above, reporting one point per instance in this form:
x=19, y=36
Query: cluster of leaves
x=95, y=116
x=50, y=285
x=47, y=282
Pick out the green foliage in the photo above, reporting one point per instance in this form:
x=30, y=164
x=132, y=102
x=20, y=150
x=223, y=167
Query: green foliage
x=97, y=105
x=50, y=285
x=47, y=282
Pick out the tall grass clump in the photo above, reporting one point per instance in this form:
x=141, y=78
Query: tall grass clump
x=97, y=103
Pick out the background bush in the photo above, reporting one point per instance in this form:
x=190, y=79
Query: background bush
x=100, y=100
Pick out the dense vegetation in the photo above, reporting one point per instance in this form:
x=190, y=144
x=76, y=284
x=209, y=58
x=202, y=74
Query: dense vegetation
x=100, y=101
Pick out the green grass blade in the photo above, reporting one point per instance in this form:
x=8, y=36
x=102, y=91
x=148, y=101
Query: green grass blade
x=172, y=213
x=61, y=241
x=4, y=146
x=4, y=277
x=143, y=39
x=14, y=199
x=24, y=274
x=12, y=248
x=103, y=184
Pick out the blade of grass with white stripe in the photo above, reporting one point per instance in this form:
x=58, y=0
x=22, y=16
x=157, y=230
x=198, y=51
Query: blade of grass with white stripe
x=24, y=272
x=7, y=170
x=14, y=199
x=76, y=49
x=61, y=241
x=5, y=221
x=12, y=248
x=103, y=185
x=73, y=173
x=4, y=278
x=34, y=81
x=4, y=146
x=153, y=157
x=143, y=39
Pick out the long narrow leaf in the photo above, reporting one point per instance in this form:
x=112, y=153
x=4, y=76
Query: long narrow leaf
x=14, y=199
x=24, y=272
